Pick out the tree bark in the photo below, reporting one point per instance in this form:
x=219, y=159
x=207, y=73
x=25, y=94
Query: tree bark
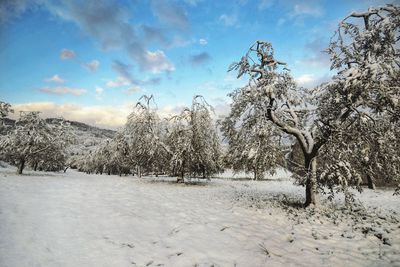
x=21, y=166
x=310, y=164
x=371, y=182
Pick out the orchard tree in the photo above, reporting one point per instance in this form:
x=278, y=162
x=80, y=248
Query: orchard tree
x=179, y=143
x=366, y=58
x=31, y=138
x=193, y=141
x=5, y=109
x=144, y=136
x=253, y=144
x=205, y=141
x=360, y=108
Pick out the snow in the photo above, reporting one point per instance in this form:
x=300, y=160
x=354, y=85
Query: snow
x=74, y=219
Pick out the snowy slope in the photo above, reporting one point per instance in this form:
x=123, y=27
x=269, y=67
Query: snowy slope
x=74, y=219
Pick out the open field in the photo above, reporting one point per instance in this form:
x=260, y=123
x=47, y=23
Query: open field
x=74, y=219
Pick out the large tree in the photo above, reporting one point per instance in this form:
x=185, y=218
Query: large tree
x=366, y=58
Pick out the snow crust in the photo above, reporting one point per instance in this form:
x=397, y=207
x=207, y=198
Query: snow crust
x=74, y=219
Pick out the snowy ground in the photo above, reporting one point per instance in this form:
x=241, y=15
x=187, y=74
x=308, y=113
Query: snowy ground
x=74, y=219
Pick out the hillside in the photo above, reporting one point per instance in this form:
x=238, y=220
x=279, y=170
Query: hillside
x=86, y=137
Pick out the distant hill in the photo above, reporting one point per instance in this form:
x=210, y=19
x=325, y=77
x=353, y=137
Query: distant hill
x=87, y=137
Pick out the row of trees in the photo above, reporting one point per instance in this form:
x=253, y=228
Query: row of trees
x=184, y=144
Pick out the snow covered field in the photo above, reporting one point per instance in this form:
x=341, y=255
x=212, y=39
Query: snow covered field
x=74, y=219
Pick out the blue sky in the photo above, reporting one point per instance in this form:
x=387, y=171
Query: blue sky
x=91, y=60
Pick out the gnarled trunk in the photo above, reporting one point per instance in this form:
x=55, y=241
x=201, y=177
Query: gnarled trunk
x=310, y=164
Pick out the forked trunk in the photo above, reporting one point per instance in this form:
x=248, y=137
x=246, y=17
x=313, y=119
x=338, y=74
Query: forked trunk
x=311, y=182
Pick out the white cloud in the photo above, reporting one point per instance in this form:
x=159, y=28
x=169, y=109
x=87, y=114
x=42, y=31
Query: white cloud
x=63, y=90
x=92, y=65
x=203, y=41
x=67, y=54
x=102, y=116
x=228, y=20
x=99, y=90
x=193, y=2
x=133, y=89
x=264, y=4
x=158, y=62
x=120, y=81
x=55, y=78
x=305, y=79
x=310, y=80
x=307, y=8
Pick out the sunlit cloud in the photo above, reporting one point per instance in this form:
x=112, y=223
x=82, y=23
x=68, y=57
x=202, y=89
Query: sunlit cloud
x=99, y=90
x=102, y=116
x=92, y=65
x=228, y=20
x=158, y=62
x=203, y=41
x=67, y=54
x=56, y=79
x=133, y=89
x=63, y=90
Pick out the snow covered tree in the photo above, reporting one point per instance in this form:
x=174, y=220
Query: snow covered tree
x=273, y=96
x=193, y=141
x=144, y=137
x=5, y=109
x=360, y=107
x=179, y=142
x=205, y=140
x=366, y=57
x=253, y=144
x=31, y=138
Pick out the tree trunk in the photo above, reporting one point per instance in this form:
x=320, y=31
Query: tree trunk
x=35, y=166
x=21, y=166
x=310, y=164
x=371, y=182
x=181, y=179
